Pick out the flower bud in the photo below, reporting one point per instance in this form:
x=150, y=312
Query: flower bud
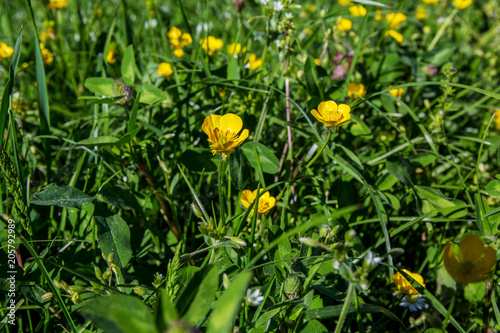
x=225, y=281
x=140, y=290
x=163, y=166
x=291, y=287
x=196, y=210
x=76, y=289
x=237, y=241
x=47, y=296
x=309, y=241
x=57, y=284
x=97, y=272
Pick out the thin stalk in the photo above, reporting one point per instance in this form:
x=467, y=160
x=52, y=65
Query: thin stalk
x=442, y=28
x=448, y=314
x=345, y=308
x=221, y=190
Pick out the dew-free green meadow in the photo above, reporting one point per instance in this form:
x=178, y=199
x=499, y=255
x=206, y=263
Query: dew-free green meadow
x=249, y=166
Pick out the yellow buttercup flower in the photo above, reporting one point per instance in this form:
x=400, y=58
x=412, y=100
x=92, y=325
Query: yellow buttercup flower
x=421, y=13
x=266, y=201
x=235, y=48
x=344, y=24
x=223, y=132
x=395, y=19
x=378, y=15
x=164, y=69
x=5, y=51
x=462, y=4
x=357, y=10
x=57, y=4
x=178, y=52
x=47, y=56
x=186, y=39
x=211, y=44
x=344, y=2
x=405, y=287
x=316, y=61
x=355, y=90
x=471, y=262
x=394, y=34
x=396, y=92
x=430, y=2
x=254, y=62
x=497, y=119
x=331, y=114
x=174, y=33
x=110, y=58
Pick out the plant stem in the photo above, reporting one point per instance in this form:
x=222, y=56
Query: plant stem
x=450, y=310
x=442, y=28
x=345, y=308
x=221, y=190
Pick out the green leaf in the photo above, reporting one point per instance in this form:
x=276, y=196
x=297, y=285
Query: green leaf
x=198, y=160
x=118, y=197
x=189, y=292
x=165, y=312
x=61, y=196
x=102, y=141
x=150, y=94
x=335, y=310
x=100, y=86
x=314, y=326
x=400, y=168
x=359, y=127
x=227, y=307
x=475, y=292
x=256, y=152
x=9, y=85
x=438, y=56
x=128, y=66
x=434, y=199
x=311, y=76
x=239, y=170
x=120, y=314
x=113, y=235
x=233, y=70
x=493, y=187
x=201, y=303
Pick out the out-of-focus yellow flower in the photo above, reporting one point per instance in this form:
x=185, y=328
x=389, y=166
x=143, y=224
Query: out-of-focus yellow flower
x=174, y=33
x=235, y=48
x=223, y=132
x=394, y=34
x=344, y=24
x=405, y=287
x=164, y=69
x=47, y=33
x=356, y=90
x=332, y=115
x=57, y=4
x=357, y=10
x=497, y=119
x=471, y=262
x=211, y=44
x=266, y=201
x=178, y=52
x=396, y=92
x=25, y=65
x=47, y=56
x=462, y=4
x=5, y=51
x=186, y=39
x=430, y=2
x=421, y=13
x=316, y=61
x=344, y=2
x=378, y=15
x=395, y=19
x=110, y=58
x=254, y=62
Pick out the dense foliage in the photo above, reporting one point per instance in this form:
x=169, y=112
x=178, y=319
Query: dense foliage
x=249, y=166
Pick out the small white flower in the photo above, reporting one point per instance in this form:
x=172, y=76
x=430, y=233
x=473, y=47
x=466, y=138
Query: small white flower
x=278, y=6
x=254, y=298
x=288, y=15
x=414, y=304
x=264, y=2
